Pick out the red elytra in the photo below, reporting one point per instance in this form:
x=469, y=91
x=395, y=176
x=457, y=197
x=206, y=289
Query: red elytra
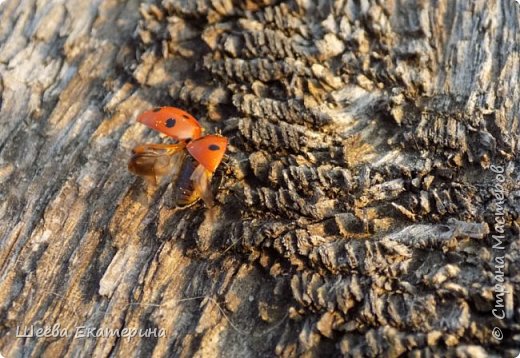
x=173, y=122
x=208, y=150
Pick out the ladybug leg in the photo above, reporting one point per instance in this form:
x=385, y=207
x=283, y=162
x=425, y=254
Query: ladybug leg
x=201, y=179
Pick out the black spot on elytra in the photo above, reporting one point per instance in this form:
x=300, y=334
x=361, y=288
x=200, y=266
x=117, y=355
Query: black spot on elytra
x=170, y=123
x=213, y=147
x=186, y=116
x=157, y=109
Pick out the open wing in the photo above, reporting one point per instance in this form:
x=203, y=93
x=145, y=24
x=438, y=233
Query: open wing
x=208, y=150
x=154, y=160
x=201, y=179
x=173, y=122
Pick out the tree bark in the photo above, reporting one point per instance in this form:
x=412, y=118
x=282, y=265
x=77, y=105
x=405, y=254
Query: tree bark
x=369, y=204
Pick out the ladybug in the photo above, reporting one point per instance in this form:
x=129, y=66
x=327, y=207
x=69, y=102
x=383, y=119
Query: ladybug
x=193, y=158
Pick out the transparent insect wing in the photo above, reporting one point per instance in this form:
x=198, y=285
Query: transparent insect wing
x=173, y=122
x=153, y=160
x=201, y=179
x=208, y=150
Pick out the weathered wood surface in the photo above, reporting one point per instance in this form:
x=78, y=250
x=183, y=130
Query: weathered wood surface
x=354, y=214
